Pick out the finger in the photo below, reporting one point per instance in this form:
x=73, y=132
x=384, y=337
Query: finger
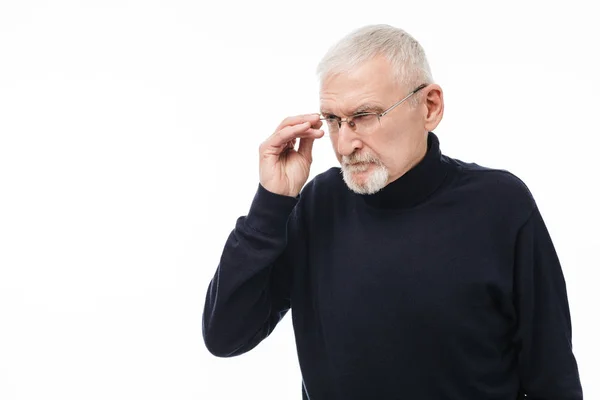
x=292, y=132
x=298, y=119
x=291, y=145
x=315, y=132
x=305, y=148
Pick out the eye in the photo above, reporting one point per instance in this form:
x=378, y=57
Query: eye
x=362, y=117
x=364, y=122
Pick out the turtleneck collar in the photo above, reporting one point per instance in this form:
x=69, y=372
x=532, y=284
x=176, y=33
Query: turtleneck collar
x=416, y=184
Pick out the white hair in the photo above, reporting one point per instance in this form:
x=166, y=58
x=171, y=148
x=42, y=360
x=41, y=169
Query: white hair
x=404, y=53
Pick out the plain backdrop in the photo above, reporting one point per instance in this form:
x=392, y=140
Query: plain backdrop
x=129, y=134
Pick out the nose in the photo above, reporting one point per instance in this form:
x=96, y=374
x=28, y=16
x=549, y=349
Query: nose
x=347, y=140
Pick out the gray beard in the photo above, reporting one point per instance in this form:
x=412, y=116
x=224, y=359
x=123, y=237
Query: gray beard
x=376, y=180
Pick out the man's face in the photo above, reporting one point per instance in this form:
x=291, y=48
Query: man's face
x=371, y=160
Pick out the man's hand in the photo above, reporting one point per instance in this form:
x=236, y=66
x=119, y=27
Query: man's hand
x=284, y=170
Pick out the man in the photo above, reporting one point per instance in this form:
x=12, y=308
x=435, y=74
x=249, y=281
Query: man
x=410, y=274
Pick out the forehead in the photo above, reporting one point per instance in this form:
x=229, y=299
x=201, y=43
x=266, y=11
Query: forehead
x=372, y=82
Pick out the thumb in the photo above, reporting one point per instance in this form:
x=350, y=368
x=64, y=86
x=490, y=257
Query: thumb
x=305, y=148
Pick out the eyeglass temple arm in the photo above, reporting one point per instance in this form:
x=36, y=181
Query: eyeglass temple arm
x=404, y=99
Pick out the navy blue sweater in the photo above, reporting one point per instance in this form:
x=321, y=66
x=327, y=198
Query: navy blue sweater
x=444, y=285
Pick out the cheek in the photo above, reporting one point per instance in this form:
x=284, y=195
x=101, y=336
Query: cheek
x=392, y=153
x=381, y=149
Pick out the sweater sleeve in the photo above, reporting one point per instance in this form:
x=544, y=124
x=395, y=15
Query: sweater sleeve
x=547, y=366
x=250, y=290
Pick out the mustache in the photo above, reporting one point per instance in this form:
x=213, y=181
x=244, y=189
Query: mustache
x=356, y=158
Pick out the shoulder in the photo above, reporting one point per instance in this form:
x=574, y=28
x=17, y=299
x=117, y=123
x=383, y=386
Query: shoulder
x=492, y=178
x=499, y=188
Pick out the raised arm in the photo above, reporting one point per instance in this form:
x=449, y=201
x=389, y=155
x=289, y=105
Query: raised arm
x=250, y=291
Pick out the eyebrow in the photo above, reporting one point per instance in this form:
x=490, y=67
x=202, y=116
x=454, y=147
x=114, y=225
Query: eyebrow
x=366, y=107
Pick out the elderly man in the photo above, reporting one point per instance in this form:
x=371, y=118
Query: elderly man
x=410, y=274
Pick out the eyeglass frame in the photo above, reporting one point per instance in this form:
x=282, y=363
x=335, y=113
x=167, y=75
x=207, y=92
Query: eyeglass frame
x=348, y=120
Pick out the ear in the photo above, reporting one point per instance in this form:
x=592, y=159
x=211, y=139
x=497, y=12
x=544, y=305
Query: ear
x=433, y=99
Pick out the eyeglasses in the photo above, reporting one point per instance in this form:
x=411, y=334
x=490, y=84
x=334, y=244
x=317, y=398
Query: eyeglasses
x=365, y=122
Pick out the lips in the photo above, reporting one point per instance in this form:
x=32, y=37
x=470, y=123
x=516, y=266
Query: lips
x=358, y=167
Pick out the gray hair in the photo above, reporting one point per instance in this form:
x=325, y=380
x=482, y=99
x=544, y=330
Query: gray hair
x=405, y=54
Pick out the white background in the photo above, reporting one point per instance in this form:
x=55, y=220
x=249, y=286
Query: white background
x=129, y=133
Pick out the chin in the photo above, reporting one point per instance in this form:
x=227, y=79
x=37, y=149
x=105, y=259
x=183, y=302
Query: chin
x=365, y=181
